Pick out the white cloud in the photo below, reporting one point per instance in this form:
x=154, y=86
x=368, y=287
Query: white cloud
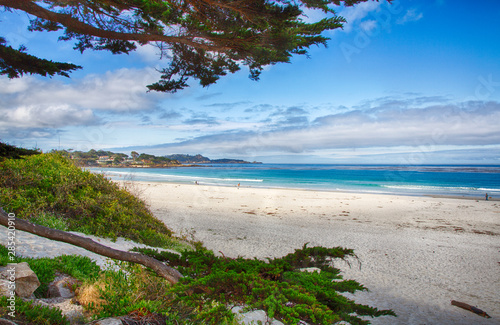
x=149, y=53
x=368, y=25
x=312, y=15
x=47, y=104
x=123, y=90
x=430, y=128
x=357, y=13
x=12, y=86
x=411, y=15
x=39, y=116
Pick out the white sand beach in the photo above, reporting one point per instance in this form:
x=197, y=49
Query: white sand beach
x=416, y=253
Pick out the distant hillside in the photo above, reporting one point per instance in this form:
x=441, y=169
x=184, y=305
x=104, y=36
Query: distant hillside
x=101, y=158
x=199, y=159
x=188, y=159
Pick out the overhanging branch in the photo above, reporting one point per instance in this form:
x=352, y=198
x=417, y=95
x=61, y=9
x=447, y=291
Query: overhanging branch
x=79, y=27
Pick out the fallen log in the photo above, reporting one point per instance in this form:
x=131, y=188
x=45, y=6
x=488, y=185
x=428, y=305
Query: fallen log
x=171, y=274
x=468, y=307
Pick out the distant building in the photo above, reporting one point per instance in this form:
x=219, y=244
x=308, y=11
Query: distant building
x=104, y=160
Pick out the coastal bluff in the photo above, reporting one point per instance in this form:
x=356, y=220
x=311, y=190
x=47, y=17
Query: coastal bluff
x=102, y=158
x=199, y=159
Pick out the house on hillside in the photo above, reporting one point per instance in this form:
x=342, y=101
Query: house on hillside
x=105, y=160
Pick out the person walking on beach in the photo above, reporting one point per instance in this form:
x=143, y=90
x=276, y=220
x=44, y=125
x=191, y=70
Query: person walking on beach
x=486, y=196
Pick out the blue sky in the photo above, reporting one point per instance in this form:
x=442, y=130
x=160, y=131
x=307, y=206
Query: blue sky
x=415, y=82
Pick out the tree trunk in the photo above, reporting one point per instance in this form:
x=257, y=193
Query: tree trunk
x=171, y=274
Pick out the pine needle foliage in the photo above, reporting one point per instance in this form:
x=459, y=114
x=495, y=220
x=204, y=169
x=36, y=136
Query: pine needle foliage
x=16, y=63
x=214, y=284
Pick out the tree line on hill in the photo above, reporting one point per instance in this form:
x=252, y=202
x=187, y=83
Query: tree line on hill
x=103, y=158
x=94, y=158
x=199, y=159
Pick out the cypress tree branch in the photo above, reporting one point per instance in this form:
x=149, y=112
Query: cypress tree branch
x=15, y=63
x=79, y=27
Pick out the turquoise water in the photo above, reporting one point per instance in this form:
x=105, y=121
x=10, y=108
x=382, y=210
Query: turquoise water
x=391, y=179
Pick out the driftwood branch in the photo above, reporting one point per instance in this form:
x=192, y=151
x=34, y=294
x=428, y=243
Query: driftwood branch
x=468, y=307
x=171, y=274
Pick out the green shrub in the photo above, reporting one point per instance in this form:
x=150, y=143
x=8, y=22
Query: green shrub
x=212, y=284
x=11, y=152
x=4, y=256
x=131, y=288
x=80, y=267
x=49, y=220
x=28, y=313
x=50, y=190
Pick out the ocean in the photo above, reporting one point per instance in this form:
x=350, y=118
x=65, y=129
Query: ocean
x=433, y=180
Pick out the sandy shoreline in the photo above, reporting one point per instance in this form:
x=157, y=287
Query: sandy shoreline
x=417, y=253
